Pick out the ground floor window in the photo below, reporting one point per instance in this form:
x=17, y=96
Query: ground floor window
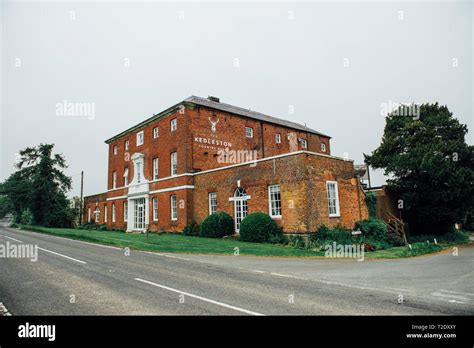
x=125, y=211
x=212, y=203
x=96, y=213
x=174, y=208
x=89, y=215
x=155, y=209
x=113, y=212
x=274, y=201
x=105, y=213
x=333, y=198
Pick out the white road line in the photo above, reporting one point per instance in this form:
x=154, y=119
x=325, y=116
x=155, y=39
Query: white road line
x=67, y=257
x=449, y=296
x=256, y=271
x=16, y=240
x=281, y=275
x=199, y=297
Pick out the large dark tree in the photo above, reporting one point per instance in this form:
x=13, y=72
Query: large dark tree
x=430, y=165
x=40, y=185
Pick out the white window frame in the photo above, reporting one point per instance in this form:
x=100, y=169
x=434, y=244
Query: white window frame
x=114, y=179
x=272, y=199
x=125, y=211
x=89, y=214
x=140, y=138
x=125, y=175
x=127, y=145
x=115, y=150
x=113, y=212
x=174, y=207
x=323, y=147
x=337, y=212
x=155, y=168
x=138, y=171
x=105, y=213
x=155, y=208
x=212, y=203
x=174, y=124
x=304, y=143
x=248, y=132
x=155, y=133
x=174, y=163
x=277, y=138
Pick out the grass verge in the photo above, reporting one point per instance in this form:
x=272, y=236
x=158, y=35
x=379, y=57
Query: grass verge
x=177, y=243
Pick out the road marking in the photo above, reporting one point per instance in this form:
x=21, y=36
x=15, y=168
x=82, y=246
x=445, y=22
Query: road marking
x=457, y=292
x=449, y=296
x=199, y=297
x=454, y=301
x=16, y=240
x=256, y=271
x=281, y=275
x=67, y=257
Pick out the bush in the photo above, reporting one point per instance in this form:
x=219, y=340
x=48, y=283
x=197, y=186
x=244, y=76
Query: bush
x=259, y=227
x=87, y=226
x=421, y=248
x=102, y=227
x=373, y=228
x=453, y=237
x=371, y=201
x=326, y=235
x=217, y=225
x=26, y=217
x=191, y=230
x=297, y=241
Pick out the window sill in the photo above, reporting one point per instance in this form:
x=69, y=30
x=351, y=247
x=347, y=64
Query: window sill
x=277, y=217
x=335, y=216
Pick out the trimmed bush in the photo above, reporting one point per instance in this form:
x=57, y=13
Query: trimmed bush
x=373, y=228
x=217, y=225
x=259, y=227
x=191, y=230
x=297, y=241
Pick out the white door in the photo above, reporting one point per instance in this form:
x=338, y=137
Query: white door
x=240, y=207
x=139, y=214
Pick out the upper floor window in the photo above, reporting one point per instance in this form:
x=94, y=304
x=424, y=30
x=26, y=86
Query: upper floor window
x=155, y=168
x=212, y=203
x=174, y=124
x=138, y=167
x=125, y=176
x=323, y=147
x=333, y=198
x=174, y=163
x=140, y=138
x=114, y=179
x=174, y=208
x=127, y=144
x=304, y=143
x=274, y=201
x=155, y=133
x=278, y=138
x=249, y=132
x=115, y=149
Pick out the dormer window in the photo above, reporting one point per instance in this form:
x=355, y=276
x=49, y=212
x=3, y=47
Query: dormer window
x=140, y=138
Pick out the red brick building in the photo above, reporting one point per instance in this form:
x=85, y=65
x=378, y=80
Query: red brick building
x=201, y=156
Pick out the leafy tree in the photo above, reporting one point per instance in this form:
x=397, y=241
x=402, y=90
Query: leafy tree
x=6, y=205
x=40, y=185
x=430, y=166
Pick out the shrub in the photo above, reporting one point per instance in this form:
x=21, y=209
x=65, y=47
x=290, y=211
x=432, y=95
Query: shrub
x=191, y=230
x=26, y=217
x=371, y=201
x=259, y=227
x=373, y=228
x=102, y=227
x=421, y=248
x=453, y=237
x=297, y=241
x=217, y=225
x=326, y=235
x=87, y=226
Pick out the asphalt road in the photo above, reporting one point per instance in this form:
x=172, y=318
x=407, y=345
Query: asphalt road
x=78, y=278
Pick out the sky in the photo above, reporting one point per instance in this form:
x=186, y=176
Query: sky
x=335, y=66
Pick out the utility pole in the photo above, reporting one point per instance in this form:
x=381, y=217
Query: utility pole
x=81, y=205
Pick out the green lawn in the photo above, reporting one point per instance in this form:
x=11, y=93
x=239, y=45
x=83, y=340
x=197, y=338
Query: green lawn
x=178, y=243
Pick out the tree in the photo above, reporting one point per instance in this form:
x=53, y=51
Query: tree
x=430, y=165
x=41, y=186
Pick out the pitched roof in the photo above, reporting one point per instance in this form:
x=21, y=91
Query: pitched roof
x=223, y=107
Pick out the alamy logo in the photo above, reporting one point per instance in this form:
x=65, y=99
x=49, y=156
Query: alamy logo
x=66, y=108
x=213, y=125
x=19, y=251
x=37, y=331
x=335, y=250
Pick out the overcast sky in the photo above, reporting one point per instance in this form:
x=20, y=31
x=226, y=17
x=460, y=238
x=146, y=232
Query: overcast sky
x=336, y=64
